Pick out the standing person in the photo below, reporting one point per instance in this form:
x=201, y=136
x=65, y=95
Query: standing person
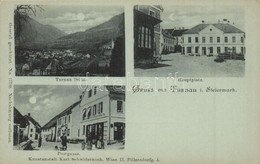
x=100, y=144
x=64, y=141
x=89, y=141
x=40, y=141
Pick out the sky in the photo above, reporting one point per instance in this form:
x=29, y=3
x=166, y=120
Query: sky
x=190, y=16
x=44, y=102
x=70, y=19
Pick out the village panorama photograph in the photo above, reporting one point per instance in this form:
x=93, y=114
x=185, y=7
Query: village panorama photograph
x=65, y=40
x=90, y=118
x=189, y=41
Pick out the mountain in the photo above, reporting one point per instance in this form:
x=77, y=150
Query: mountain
x=33, y=32
x=94, y=36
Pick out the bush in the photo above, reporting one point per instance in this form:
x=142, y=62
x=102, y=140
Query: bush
x=219, y=60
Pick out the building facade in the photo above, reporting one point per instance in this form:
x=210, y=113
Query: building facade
x=19, y=130
x=49, y=130
x=103, y=113
x=213, y=39
x=33, y=129
x=168, y=42
x=176, y=33
x=147, y=33
x=68, y=122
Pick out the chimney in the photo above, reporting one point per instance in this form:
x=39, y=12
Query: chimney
x=179, y=28
x=202, y=21
x=29, y=114
x=183, y=28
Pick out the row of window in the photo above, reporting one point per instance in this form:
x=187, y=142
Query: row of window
x=211, y=39
x=168, y=48
x=92, y=110
x=144, y=37
x=90, y=92
x=171, y=41
x=66, y=131
x=211, y=49
x=64, y=120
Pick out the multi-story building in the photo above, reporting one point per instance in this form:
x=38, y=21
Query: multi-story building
x=147, y=33
x=68, y=122
x=33, y=129
x=176, y=33
x=213, y=39
x=168, y=42
x=103, y=113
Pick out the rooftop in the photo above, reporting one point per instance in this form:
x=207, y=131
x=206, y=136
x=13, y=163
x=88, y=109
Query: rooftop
x=35, y=123
x=52, y=122
x=20, y=119
x=225, y=27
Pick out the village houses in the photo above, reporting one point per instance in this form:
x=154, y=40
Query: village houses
x=19, y=130
x=68, y=122
x=176, y=34
x=100, y=112
x=168, y=42
x=49, y=130
x=33, y=130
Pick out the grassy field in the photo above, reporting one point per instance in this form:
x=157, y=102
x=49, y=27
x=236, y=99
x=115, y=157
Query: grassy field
x=193, y=66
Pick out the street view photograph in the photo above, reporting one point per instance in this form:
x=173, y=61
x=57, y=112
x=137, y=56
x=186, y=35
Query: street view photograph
x=192, y=41
x=61, y=40
x=90, y=118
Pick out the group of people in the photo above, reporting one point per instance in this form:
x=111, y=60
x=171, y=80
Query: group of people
x=88, y=143
x=99, y=143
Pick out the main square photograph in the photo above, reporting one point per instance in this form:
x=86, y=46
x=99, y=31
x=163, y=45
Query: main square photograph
x=65, y=40
x=189, y=41
x=89, y=118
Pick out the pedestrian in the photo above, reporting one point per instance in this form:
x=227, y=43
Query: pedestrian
x=100, y=142
x=64, y=141
x=89, y=141
x=40, y=141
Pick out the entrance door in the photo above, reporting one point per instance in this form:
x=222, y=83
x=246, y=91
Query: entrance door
x=183, y=50
x=95, y=131
x=203, y=50
x=119, y=130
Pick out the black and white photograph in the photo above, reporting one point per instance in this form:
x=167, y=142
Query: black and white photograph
x=89, y=118
x=190, y=41
x=65, y=40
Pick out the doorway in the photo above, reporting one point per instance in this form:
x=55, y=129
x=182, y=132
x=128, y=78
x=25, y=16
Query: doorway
x=204, y=51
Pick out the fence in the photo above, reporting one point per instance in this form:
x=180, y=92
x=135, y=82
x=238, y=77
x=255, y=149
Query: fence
x=234, y=56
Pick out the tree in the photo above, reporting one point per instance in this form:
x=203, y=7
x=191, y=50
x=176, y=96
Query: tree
x=22, y=14
x=117, y=63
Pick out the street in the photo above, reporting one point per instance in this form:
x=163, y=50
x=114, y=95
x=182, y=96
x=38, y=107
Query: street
x=193, y=66
x=70, y=146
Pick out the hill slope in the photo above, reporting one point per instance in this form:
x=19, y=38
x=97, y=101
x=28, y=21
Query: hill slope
x=100, y=34
x=35, y=32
